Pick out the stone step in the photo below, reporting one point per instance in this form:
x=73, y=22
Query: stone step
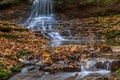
x=90, y=65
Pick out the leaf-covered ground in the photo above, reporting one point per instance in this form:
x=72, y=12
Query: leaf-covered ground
x=15, y=42
x=105, y=27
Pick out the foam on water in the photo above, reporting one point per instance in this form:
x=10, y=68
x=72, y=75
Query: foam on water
x=41, y=19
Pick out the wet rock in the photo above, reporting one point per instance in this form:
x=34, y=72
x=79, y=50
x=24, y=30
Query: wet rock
x=106, y=49
x=61, y=68
x=103, y=48
x=24, y=70
x=109, y=65
x=53, y=68
x=73, y=57
x=31, y=68
x=55, y=58
x=115, y=65
x=49, y=69
x=27, y=69
x=72, y=77
x=39, y=63
x=71, y=69
x=102, y=78
x=26, y=61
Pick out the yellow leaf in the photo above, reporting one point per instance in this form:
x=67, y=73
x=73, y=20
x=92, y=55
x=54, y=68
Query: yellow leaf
x=45, y=54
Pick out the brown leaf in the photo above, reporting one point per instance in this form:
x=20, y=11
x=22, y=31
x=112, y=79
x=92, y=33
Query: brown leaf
x=73, y=48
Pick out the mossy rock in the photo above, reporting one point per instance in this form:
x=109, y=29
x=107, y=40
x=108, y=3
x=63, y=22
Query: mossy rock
x=22, y=53
x=112, y=34
x=118, y=73
x=8, y=29
x=10, y=36
x=112, y=42
x=15, y=69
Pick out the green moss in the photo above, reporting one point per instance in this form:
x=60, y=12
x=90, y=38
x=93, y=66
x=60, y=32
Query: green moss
x=20, y=29
x=117, y=15
x=118, y=73
x=112, y=42
x=21, y=41
x=2, y=68
x=101, y=10
x=110, y=1
x=4, y=75
x=22, y=53
x=10, y=36
x=15, y=69
x=112, y=34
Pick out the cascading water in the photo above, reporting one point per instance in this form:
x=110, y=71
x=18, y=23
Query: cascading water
x=41, y=19
x=89, y=69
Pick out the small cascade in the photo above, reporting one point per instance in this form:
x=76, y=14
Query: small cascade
x=107, y=64
x=42, y=19
x=89, y=68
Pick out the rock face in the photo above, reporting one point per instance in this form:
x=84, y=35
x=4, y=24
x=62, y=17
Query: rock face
x=8, y=3
x=85, y=8
x=73, y=8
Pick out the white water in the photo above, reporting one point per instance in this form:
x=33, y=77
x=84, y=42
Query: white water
x=89, y=69
x=41, y=19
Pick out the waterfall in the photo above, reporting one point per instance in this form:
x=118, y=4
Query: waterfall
x=41, y=8
x=41, y=19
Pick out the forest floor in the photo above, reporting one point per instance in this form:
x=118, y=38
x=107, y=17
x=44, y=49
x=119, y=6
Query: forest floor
x=18, y=44
x=15, y=42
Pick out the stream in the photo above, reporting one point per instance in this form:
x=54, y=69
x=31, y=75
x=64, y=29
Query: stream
x=43, y=20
